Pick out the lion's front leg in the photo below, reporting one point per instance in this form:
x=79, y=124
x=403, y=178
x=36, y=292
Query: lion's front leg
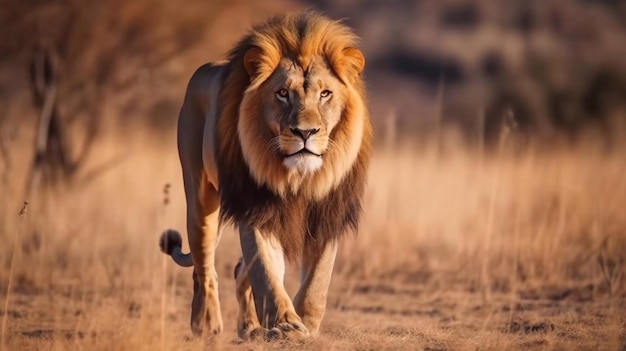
x=265, y=266
x=248, y=325
x=310, y=301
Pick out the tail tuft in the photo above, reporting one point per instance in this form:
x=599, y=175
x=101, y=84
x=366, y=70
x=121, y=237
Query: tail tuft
x=170, y=239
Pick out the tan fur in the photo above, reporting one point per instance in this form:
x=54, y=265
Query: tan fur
x=276, y=140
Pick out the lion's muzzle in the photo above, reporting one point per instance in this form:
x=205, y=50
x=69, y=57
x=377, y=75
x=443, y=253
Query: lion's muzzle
x=304, y=133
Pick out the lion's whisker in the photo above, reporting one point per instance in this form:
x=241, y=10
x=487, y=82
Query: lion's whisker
x=331, y=144
x=274, y=144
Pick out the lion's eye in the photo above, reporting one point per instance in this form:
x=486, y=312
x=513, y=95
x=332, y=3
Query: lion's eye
x=282, y=93
x=325, y=93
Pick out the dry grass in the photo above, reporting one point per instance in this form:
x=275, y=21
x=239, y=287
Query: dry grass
x=458, y=251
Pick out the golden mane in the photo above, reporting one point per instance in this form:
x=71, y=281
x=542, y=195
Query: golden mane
x=258, y=186
x=300, y=37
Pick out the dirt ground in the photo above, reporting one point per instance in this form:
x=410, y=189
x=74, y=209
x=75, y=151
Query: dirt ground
x=458, y=250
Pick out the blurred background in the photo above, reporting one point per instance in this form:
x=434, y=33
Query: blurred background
x=454, y=70
x=494, y=216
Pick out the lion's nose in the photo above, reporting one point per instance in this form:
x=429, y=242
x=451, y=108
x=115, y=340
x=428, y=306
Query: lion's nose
x=304, y=133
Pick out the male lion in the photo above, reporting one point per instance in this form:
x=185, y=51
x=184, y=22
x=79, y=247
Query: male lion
x=276, y=140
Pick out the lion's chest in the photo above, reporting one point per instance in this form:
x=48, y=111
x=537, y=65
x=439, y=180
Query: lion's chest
x=297, y=223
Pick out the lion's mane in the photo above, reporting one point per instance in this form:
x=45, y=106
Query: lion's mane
x=321, y=207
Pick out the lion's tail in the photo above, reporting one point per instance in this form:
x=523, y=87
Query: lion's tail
x=171, y=244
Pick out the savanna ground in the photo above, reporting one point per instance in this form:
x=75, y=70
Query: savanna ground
x=519, y=248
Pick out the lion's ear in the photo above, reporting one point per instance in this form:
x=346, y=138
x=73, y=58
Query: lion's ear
x=251, y=61
x=355, y=58
x=349, y=64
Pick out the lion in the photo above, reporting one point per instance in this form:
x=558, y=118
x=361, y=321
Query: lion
x=276, y=140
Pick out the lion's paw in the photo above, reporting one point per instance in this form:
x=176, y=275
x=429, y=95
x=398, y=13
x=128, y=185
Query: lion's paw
x=256, y=334
x=251, y=332
x=292, y=331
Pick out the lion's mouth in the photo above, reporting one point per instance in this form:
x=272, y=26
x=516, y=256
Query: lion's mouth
x=304, y=151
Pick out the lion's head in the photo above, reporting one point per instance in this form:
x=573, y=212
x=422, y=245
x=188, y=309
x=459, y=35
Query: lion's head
x=294, y=131
x=302, y=118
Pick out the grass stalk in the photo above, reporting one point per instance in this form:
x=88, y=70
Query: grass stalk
x=22, y=214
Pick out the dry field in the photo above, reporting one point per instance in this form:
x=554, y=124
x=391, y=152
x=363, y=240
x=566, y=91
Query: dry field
x=458, y=250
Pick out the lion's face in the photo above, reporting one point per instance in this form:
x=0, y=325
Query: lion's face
x=302, y=107
x=302, y=120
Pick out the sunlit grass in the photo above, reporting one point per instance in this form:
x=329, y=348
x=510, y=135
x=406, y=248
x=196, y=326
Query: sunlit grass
x=517, y=249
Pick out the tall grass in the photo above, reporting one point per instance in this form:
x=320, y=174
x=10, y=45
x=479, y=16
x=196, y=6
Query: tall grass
x=545, y=208
x=475, y=236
